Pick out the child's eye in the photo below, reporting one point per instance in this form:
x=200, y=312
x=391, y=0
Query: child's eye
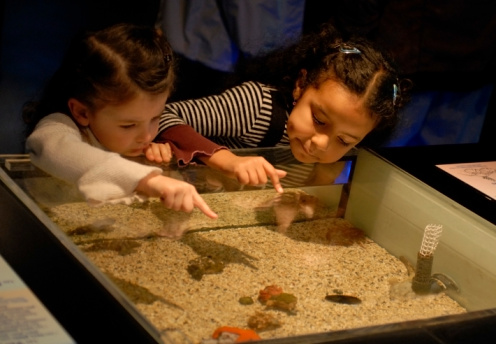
x=343, y=142
x=127, y=126
x=316, y=120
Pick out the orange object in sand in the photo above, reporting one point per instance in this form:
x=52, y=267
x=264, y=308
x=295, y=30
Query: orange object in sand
x=245, y=335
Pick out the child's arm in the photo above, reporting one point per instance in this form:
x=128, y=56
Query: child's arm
x=187, y=144
x=56, y=146
x=248, y=170
x=174, y=194
x=240, y=117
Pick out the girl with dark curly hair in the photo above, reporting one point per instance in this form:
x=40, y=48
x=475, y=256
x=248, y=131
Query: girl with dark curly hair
x=321, y=96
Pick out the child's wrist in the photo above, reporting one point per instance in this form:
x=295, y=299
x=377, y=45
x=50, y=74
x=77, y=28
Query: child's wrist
x=144, y=185
x=217, y=159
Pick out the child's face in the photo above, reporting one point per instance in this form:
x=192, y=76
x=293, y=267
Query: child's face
x=128, y=128
x=326, y=123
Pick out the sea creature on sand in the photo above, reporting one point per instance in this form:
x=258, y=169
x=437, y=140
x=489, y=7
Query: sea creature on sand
x=122, y=246
x=262, y=321
x=343, y=299
x=283, y=301
x=228, y=334
x=204, y=265
x=246, y=300
x=273, y=297
x=268, y=292
x=98, y=226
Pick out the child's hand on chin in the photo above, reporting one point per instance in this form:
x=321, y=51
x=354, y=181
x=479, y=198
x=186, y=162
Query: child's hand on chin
x=158, y=152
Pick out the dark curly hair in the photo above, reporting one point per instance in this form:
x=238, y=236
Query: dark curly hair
x=106, y=67
x=354, y=62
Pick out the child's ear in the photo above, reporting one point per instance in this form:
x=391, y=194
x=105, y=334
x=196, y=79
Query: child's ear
x=300, y=84
x=79, y=112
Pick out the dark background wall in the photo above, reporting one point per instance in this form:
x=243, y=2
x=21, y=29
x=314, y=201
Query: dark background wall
x=446, y=47
x=34, y=35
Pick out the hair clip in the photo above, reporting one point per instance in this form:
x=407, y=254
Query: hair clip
x=395, y=93
x=346, y=49
x=167, y=58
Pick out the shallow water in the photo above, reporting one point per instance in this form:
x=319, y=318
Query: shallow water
x=260, y=239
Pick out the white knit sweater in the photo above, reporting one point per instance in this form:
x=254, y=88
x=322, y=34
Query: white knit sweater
x=61, y=149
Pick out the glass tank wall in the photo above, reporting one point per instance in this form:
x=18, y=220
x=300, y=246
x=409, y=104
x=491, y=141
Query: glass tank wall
x=332, y=257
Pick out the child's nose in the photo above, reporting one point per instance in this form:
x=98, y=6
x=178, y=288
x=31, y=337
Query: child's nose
x=144, y=136
x=321, y=142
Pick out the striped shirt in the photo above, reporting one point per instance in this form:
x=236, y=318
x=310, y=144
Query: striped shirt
x=246, y=116
x=251, y=115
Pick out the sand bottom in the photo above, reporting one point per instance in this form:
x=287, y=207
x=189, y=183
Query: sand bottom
x=315, y=256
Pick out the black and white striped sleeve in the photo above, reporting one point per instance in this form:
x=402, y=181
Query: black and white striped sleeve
x=243, y=111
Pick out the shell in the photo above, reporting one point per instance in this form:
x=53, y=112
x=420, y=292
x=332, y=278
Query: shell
x=343, y=299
